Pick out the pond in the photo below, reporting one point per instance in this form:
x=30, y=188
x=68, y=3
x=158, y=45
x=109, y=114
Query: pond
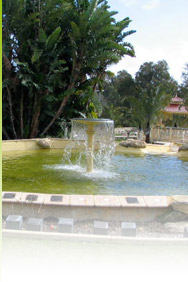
x=45, y=171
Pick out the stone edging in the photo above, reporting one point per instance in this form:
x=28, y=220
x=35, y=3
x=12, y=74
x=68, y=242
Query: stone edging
x=108, y=201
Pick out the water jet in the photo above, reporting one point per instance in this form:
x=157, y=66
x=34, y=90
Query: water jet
x=106, y=128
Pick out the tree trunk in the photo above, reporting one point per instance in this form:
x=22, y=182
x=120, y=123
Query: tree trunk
x=148, y=129
x=5, y=133
x=74, y=74
x=58, y=113
x=21, y=115
x=35, y=120
x=7, y=63
x=11, y=112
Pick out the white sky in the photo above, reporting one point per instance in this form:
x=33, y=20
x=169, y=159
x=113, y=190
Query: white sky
x=161, y=33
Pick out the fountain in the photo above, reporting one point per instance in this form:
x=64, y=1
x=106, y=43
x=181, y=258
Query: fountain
x=93, y=131
x=89, y=164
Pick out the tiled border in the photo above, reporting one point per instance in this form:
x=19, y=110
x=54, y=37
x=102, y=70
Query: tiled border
x=106, y=201
x=92, y=200
x=140, y=199
x=16, y=199
x=82, y=200
x=156, y=201
x=65, y=200
x=39, y=200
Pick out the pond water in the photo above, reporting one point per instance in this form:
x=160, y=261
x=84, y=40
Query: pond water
x=44, y=171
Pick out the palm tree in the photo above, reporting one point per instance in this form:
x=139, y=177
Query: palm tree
x=155, y=88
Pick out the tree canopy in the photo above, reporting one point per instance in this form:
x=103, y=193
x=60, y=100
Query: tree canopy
x=184, y=86
x=117, y=94
x=55, y=56
x=138, y=102
x=155, y=88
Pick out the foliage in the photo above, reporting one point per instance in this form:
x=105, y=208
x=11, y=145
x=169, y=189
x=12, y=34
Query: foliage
x=184, y=86
x=118, y=91
x=138, y=102
x=180, y=120
x=155, y=88
x=55, y=56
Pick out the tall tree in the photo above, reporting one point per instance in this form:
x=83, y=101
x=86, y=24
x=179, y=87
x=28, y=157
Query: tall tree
x=184, y=85
x=96, y=41
x=155, y=88
x=55, y=55
x=116, y=102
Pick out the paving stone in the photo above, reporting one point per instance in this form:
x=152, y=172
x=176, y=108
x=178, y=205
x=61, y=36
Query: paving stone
x=57, y=199
x=65, y=225
x=81, y=200
x=156, y=201
x=34, y=198
x=100, y=227
x=185, y=234
x=35, y=224
x=132, y=201
x=14, y=222
x=128, y=229
x=106, y=201
x=11, y=196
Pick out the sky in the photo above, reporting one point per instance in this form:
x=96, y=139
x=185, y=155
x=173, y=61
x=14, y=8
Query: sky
x=161, y=33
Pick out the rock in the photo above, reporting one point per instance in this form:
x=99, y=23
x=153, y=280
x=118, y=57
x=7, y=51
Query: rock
x=180, y=204
x=44, y=143
x=184, y=147
x=174, y=148
x=131, y=143
x=176, y=227
x=172, y=216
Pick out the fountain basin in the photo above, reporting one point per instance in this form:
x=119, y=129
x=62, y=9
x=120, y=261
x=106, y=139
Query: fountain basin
x=132, y=173
x=20, y=247
x=26, y=147
x=109, y=206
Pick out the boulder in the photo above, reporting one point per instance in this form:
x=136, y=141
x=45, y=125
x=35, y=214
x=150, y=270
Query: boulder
x=184, y=147
x=173, y=148
x=44, y=143
x=131, y=143
x=180, y=204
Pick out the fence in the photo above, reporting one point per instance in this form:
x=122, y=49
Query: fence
x=126, y=132
x=170, y=134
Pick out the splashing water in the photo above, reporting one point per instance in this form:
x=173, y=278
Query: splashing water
x=104, y=147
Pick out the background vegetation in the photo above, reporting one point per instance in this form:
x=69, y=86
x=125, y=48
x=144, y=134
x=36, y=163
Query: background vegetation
x=55, y=59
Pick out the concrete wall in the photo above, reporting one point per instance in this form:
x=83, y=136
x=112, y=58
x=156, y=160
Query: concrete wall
x=31, y=144
x=87, y=207
x=58, y=143
x=86, y=213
